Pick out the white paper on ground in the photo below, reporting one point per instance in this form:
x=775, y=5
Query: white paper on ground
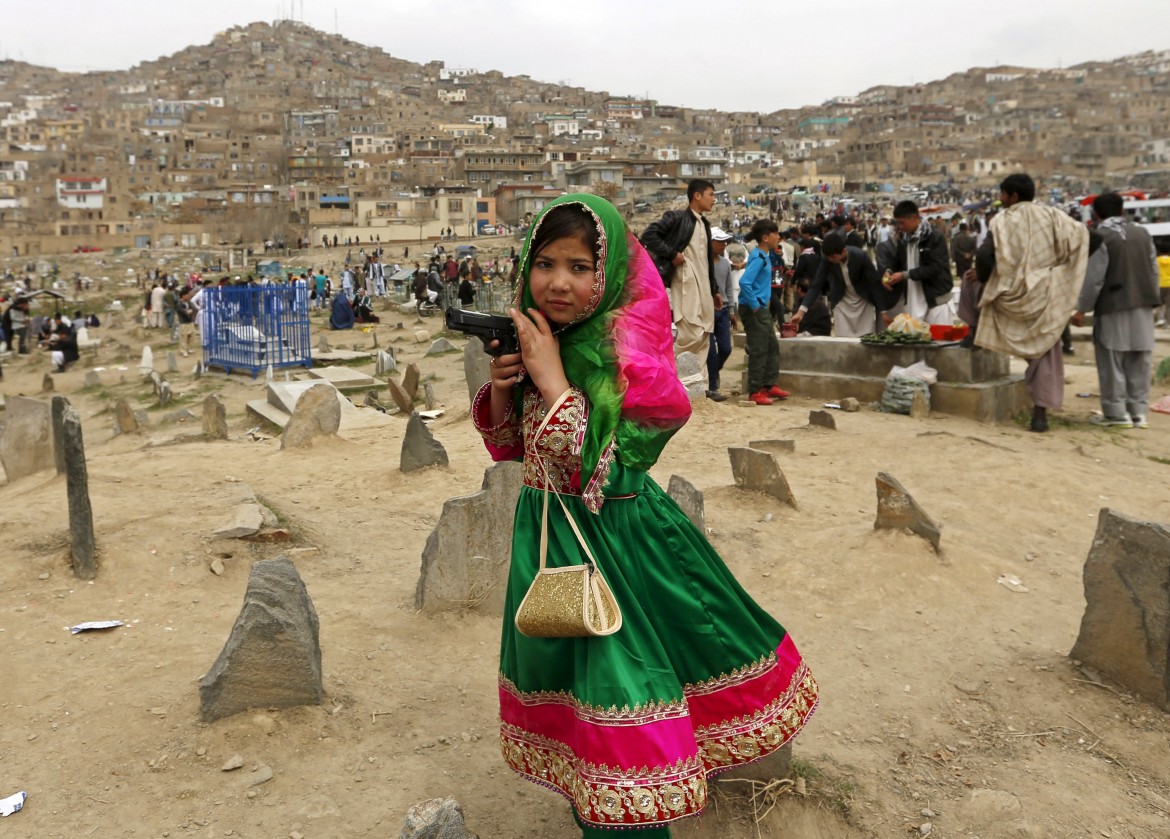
x=88, y=625
x=12, y=803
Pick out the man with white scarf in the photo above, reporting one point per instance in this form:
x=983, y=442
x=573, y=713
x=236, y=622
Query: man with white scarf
x=1121, y=288
x=922, y=269
x=1031, y=266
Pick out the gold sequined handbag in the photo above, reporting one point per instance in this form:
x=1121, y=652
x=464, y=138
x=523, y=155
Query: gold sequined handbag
x=569, y=602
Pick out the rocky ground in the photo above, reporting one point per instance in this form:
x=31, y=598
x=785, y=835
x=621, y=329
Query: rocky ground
x=950, y=706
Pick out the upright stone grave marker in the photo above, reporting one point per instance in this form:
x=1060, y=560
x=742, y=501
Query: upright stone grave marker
x=77, y=486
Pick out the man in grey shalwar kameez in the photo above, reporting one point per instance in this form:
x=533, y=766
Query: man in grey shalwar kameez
x=1121, y=289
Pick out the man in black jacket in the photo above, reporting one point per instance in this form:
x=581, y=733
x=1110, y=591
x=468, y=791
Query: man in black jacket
x=922, y=268
x=680, y=245
x=855, y=289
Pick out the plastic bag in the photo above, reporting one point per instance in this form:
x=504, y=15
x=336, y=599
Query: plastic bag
x=917, y=370
x=898, y=395
x=908, y=325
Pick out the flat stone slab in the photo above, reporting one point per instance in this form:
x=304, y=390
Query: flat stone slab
x=777, y=445
x=758, y=471
x=341, y=355
x=897, y=510
x=246, y=520
x=26, y=442
x=1125, y=631
x=343, y=378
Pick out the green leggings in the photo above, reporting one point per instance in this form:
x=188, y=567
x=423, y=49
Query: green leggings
x=662, y=832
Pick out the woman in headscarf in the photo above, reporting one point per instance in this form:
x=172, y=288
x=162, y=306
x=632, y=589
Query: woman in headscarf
x=698, y=679
x=341, y=317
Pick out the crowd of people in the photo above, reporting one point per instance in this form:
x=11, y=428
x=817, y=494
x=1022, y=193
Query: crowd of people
x=849, y=275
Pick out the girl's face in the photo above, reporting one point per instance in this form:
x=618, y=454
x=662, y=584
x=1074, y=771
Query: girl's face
x=561, y=279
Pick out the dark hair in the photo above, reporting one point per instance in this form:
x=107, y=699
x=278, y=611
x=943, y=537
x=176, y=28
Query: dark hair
x=1108, y=204
x=1019, y=184
x=837, y=222
x=833, y=244
x=905, y=209
x=1162, y=246
x=566, y=221
x=697, y=187
x=964, y=226
x=761, y=229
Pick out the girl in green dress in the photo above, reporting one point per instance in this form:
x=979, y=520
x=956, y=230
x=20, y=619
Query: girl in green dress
x=699, y=679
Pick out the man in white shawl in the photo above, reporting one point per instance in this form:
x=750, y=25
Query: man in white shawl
x=1032, y=266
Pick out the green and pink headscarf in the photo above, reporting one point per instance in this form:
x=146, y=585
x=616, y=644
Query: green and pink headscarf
x=620, y=352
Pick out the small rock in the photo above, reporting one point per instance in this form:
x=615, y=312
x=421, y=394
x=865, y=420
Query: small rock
x=233, y=763
x=217, y=567
x=925, y=828
x=159, y=712
x=822, y=419
x=261, y=776
x=919, y=409
x=850, y=405
x=421, y=336
x=265, y=723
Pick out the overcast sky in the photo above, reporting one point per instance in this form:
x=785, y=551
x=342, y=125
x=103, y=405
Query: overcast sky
x=758, y=56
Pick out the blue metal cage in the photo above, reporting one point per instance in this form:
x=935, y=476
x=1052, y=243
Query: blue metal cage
x=252, y=327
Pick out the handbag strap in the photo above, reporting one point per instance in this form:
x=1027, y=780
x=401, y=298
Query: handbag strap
x=556, y=406
x=544, y=515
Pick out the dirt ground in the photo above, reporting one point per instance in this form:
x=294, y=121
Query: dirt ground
x=948, y=700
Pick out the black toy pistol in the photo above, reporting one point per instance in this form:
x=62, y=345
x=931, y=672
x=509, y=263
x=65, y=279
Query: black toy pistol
x=487, y=328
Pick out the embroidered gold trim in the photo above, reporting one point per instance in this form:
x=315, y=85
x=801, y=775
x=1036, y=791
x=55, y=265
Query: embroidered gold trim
x=605, y=795
x=558, y=449
x=735, y=677
x=637, y=715
x=592, y=494
x=507, y=433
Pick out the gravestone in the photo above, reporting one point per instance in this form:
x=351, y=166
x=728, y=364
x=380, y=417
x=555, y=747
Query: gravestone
x=197, y=371
x=410, y=381
x=850, y=405
x=440, y=346
x=420, y=449
x=164, y=393
x=156, y=381
x=1125, y=631
x=465, y=561
x=689, y=500
x=428, y=396
x=441, y=818
x=81, y=534
x=215, y=418
x=57, y=413
x=690, y=373
x=323, y=345
x=317, y=414
x=476, y=368
x=384, y=364
x=172, y=362
x=92, y=379
x=778, y=445
x=47, y=385
x=400, y=397
x=125, y=420
x=147, y=362
x=822, y=419
x=897, y=510
x=421, y=336
x=272, y=658
x=759, y=472
x=26, y=443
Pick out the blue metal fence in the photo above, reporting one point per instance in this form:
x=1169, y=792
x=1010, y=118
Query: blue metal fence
x=251, y=327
